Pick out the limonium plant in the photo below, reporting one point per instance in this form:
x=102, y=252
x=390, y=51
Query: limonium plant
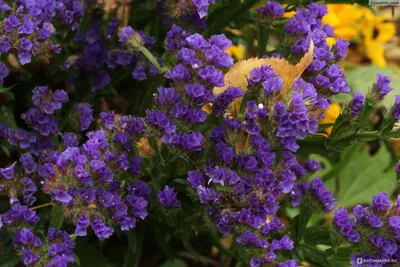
x=158, y=132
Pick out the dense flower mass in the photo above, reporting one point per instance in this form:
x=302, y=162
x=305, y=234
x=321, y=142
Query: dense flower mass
x=375, y=230
x=199, y=155
x=29, y=25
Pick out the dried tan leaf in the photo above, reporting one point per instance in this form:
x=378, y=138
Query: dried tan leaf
x=238, y=74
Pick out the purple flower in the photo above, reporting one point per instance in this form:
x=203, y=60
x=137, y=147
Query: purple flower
x=322, y=194
x=271, y=9
x=289, y=263
x=396, y=110
x=8, y=172
x=168, y=198
x=196, y=179
x=28, y=164
x=126, y=34
x=29, y=257
x=312, y=165
x=108, y=119
x=381, y=202
x=224, y=99
x=4, y=71
x=381, y=86
x=357, y=104
x=208, y=196
x=212, y=75
x=340, y=48
x=70, y=140
x=175, y=38
x=84, y=112
x=274, y=225
x=81, y=224
x=28, y=191
x=394, y=225
x=4, y=7
x=61, y=196
x=100, y=229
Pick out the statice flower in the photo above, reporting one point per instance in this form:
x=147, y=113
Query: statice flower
x=323, y=195
x=4, y=72
x=271, y=11
x=176, y=37
x=91, y=195
x=306, y=26
x=381, y=87
x=367, y=232
x=31, y=26
x=396, y=109
x=192, y=79
x=84, y=113
x=300, y=118
x=168, y=199
x=46, y=102
x=357, y=104
x=57, y=250
x=8, y=172
x=192, y=12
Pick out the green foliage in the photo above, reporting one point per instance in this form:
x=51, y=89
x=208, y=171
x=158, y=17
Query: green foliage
x=363, y=176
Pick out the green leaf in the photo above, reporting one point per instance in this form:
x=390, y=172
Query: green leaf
x=364, y=176
x=6, y=89
x=361, y=79
x=7, y=116
x=89, y=256
x=174, y=263
x=317, y=235
x=132, y=240
x=57, y=217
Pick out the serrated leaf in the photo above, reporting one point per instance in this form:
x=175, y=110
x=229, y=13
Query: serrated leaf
x=365, y=176
x=57, y=217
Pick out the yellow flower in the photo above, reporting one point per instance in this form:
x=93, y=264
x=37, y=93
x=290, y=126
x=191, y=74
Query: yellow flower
x=330, y=116
x=236, y=51
x=360, y=24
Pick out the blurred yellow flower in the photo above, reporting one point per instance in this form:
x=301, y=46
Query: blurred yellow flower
x=360, y=24
x=236, y=51
x=330, y=116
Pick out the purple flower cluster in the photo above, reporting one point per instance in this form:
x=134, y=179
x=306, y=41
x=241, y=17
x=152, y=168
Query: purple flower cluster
x=193, y=78
x=271, y=11
x=27, y=31
x=323, y=195
x=84, y=113
x=176, y=38
x=99, y=59
x=57, y=250
x=381, y=87
x=306, y=25
x=396, y=109
x=168, y=198
x=376, y=230
x=189, y=11
x=357, y=104
x=46, y=102
x=84, y=180
x=299, y=118
x=243, y=185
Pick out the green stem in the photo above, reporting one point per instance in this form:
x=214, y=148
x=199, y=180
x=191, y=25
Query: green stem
x=262, y=39
x=304, y=218
x=152, y=59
